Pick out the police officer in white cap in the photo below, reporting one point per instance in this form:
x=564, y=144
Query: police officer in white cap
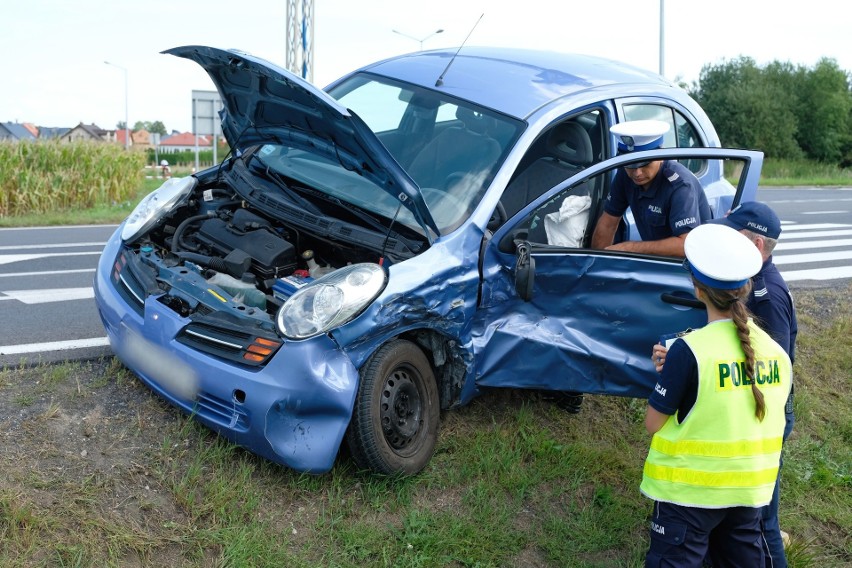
x=666, y=198
x=717, y=417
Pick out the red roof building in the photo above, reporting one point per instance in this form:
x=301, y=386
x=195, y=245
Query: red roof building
x=184, y=141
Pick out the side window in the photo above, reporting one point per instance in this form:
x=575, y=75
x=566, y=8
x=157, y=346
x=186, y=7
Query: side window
x=681, y=133
x=686, y=135
x=562, y=150
x=654, y=112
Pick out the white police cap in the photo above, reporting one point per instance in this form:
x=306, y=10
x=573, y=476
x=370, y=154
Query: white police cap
x=721, y=257
x=638, y=135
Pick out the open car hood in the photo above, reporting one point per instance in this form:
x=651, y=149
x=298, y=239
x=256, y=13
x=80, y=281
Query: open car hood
x=265, y=103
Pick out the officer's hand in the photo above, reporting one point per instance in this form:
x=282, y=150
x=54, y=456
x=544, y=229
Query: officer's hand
x=658, y=357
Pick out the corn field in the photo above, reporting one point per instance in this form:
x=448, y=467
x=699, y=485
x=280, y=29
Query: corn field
x=50, y=176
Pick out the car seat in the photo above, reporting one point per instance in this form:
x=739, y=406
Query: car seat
x=568, y=150
x=456, y=152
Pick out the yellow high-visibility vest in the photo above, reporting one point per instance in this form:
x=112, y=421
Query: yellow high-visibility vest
x=720, y=455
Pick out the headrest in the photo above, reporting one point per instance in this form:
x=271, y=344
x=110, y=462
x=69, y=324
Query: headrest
x=570, y=142
x=477, y=122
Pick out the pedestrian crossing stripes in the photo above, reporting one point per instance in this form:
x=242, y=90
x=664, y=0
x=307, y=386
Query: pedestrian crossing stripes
x=801, y=246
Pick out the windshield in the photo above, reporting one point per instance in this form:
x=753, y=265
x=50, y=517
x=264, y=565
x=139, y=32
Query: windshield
x=450, y=148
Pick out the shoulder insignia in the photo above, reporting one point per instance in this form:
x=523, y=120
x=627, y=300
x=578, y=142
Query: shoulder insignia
x=674, y=176
x=759, y=289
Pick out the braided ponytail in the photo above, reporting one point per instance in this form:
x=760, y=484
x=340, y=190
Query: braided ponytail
x=731, y=301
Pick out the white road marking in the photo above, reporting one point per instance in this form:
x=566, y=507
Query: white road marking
x=53, y=346
x=813, y=244
x=790, y=226
x=47, y=272
x=56, y=245
x=805, y=235
x=46, y=296
x=812, y=257
x=54, y=227
x=10, y=258
x=819, y=274
x=823, y=212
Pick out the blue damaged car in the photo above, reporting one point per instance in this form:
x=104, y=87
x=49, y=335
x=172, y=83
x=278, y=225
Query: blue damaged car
x=371, y=254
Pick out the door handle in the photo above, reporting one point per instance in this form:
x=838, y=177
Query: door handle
x=689, y=302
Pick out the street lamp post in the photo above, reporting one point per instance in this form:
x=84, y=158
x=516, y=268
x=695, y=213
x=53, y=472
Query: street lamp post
x=418, y=39
x=126, y=123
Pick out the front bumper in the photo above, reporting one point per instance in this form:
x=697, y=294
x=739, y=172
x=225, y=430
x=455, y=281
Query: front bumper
x=293, y=411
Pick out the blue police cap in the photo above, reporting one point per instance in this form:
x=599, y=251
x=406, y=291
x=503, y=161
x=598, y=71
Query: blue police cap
x=721, y=257
x=753, y=216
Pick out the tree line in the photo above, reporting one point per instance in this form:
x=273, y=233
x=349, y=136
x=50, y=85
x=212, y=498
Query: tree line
x=789, y=112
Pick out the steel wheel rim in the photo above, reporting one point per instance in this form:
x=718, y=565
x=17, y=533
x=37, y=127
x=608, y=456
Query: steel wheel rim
x=401, y=409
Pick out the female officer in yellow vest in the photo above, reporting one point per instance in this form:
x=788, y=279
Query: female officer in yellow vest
x=717, y=418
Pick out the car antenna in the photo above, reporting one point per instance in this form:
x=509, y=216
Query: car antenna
x=440, y=81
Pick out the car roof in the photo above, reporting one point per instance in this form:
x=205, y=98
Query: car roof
x=500, y=78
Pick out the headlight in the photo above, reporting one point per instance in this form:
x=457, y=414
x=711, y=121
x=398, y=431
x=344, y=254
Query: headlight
x=155, y=204
x=330, y=301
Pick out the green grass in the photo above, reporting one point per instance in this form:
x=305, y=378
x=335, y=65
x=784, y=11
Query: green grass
x=803, y=173
x=98, y=215
x=98, y=472
x=515, y=481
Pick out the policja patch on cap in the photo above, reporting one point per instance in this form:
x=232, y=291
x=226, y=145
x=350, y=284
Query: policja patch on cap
x=721, y=257
x=752, y=216
x=638, y=135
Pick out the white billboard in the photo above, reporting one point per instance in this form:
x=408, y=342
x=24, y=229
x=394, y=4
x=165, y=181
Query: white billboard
x=205, y=113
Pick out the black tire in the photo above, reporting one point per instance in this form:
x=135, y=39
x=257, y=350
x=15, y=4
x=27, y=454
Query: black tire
x=394, y=425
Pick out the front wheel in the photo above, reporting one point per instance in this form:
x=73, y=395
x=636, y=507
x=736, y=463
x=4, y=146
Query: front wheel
x=394, y=425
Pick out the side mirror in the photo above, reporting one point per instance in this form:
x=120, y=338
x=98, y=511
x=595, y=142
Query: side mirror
x=524, y=271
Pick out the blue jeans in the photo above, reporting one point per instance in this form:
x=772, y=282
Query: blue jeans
x=769, y=513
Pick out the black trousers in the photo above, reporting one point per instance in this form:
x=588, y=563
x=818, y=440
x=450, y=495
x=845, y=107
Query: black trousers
x=683, y=536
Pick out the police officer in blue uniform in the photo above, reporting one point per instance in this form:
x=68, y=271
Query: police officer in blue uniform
x=771, y=304
x=717, y=418
x=666, y=198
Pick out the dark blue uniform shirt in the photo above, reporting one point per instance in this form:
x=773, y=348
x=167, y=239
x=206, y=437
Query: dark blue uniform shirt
x=772, y=306
x=673, y=204
x=677, y=387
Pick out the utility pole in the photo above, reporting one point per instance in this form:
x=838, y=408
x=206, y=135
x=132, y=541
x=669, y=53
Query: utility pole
x=300, y=38
x=126, y=114
x=662, y=37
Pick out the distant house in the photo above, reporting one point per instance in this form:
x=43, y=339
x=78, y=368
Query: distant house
x=183, y=141
x=32, y=128
x=141, y=139
x=15, y=131
x=51, y=132
x=138, y=138
x=90, y=132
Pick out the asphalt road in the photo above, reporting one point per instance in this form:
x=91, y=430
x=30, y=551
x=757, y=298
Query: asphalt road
x=46, y=273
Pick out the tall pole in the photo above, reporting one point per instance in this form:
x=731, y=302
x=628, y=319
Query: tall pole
x=419, y=40
x=662, y=37
x=300, y=38
x=126, y=114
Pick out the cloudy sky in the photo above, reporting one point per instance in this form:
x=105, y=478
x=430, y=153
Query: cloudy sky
x=54, y=50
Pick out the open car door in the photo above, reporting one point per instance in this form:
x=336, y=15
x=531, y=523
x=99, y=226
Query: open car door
x=557, y=315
